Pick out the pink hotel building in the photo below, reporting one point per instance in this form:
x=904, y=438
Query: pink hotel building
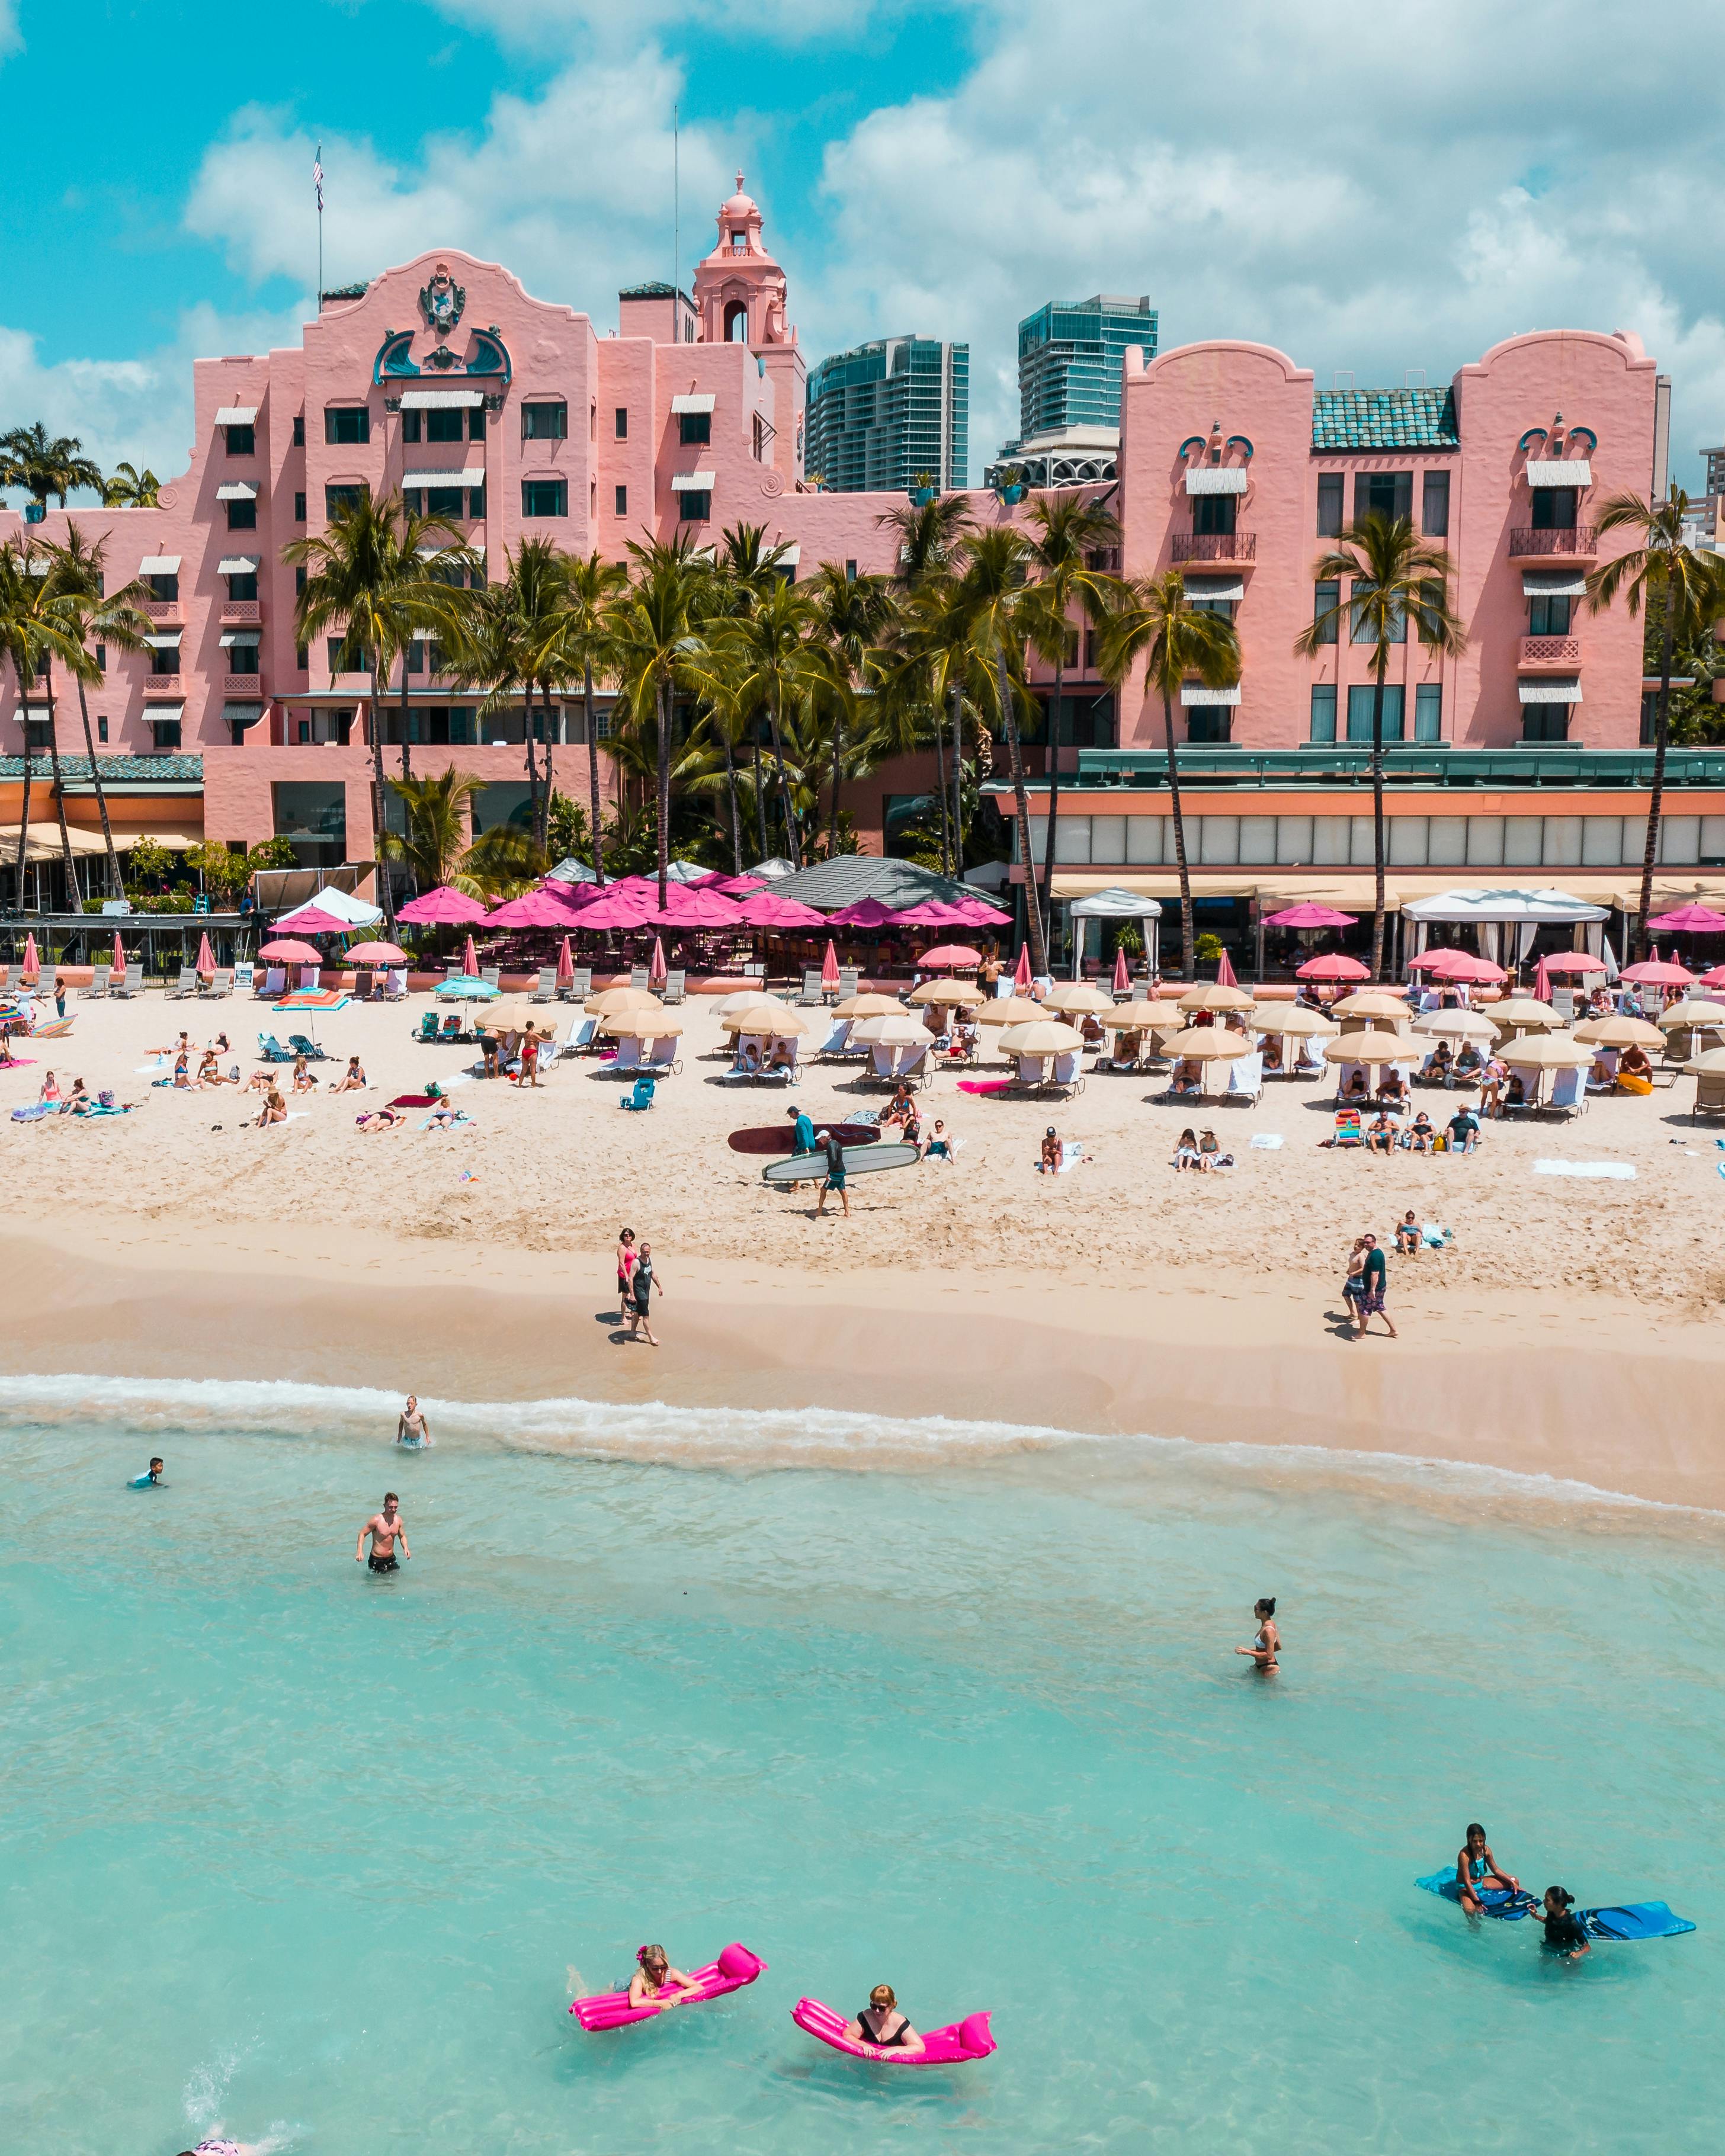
x=1521, y=762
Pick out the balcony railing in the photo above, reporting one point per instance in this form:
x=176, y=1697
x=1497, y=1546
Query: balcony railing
x=1577, y=539
x=166, y=610
x=242, y=610
x=158, y=684
x=1215, y=545
x=244, y=685
x=1560, y=654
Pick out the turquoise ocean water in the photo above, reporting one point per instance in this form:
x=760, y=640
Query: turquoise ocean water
x=322, y=1859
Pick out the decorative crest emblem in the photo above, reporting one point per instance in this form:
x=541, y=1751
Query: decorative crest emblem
x=442, y=300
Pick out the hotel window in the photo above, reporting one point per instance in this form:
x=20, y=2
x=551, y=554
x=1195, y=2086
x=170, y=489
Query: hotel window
x=242, y=658
x=1213, y=512
x=101, y=658
x=545, y=422
x=1553, y=508
x=1383, y=494
x=545, y=497
x=1359, y=710
x=336, y=647
x=1549, y=613
x=1323, y=713
x=1435, y=505
x=164, y=585
x=1326, y=605
x=410, y=426
x=242, y=441
x=299, y=509
x=346, y=423
x=336, y=499
x=475, y=505
x=1215, y=724
x=416, y=655
x=1329, y=504
x=242, y=586
x=1545, y=722
x=242, y=516
x=444, y=426
x=1650, y=716
x=475, y=422
x=759, y=433
x=851, y=572
x=164, y=658
x=1428, y=711
x=695, y=429
x=622, y=508
x=443, y=501
x=694, y=508
x=623, y=423
x=167, y=732
x=101, y=730
x=300, y=579
x=298, y=430
x=1362, y=631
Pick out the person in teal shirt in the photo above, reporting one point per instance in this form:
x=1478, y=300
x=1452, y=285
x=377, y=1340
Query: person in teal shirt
x=802, y=1138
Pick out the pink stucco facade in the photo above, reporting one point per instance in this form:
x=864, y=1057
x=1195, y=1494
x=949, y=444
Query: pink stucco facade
x=567, y=428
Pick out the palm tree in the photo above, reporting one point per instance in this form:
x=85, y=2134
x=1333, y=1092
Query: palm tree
x=1395, y=576
x=659, y=648
x=127, y=488
x=776, y=668
x=44, y=463
x=437, y=845
x=531, y=598
x=1688, y=589
x=991, y=591
x=37, y=625
x=746, y=571
x=1068, y=528
x=367, y=575
x=1157, y=619
x=103, y=617
x=583, y=644
x=853, y=619
x=930, y=539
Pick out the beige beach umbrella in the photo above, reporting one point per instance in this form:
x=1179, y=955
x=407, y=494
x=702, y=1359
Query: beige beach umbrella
x=1372, y=1047
x=611, y=1000
x=1371, y=1002
x=1697, y=1011
x=637, y=1015
x=745, y=999
x=870, y=1005
x=1710, y=1064
x=1144, y=1018
x=898, y=1030
x=1521, y=1010
x=1207, y=1044
x=956, y=993
x=1546, y=1051
x=1077, y=996
x=1040, y=1036
x=772, y=1021
x=1456, y=1025
x=1009, y=1010
x=508, y=1017
x=1619, y=1032
x=656, y=1025
x=1296, y=1020
x=1213, y=996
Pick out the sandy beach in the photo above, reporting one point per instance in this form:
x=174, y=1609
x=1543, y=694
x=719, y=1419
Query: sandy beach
x=1565, y=1332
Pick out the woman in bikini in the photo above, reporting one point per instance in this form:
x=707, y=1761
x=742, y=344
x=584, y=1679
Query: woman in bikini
x=881, y=2026
x=1476, y=1867
x=656, y=1983
x=1267, y=1646
x=625, y=1269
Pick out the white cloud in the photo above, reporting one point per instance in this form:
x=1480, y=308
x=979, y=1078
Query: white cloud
x=1366, y=189
x=570, y=190
x=619, y=25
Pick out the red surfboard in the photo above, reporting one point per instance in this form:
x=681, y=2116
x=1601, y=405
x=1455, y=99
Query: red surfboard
x=776, y=1138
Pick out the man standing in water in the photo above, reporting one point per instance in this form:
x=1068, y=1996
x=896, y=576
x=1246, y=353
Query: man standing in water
x=385, y=1529
x=413, y=1430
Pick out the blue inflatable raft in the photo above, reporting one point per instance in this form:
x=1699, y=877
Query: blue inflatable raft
x=1629, y=1920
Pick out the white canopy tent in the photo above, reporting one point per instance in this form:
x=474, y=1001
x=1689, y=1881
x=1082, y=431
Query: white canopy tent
x=1491, y=912
x=1118, y=905
x=357, y=912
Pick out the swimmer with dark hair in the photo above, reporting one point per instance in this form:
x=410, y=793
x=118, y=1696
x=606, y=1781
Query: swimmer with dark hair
x=1265, y=1648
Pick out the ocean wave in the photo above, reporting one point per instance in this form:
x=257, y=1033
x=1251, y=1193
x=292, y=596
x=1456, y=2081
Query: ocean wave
x=658, y=1433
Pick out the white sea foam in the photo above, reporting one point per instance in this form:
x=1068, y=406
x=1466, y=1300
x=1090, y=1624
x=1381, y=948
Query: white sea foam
x=730, y=1437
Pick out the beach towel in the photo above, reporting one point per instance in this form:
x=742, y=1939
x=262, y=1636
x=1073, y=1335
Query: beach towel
x=461, y=1122
x=1071, y=1152
x=1619, y=1170
x=1267, y=1140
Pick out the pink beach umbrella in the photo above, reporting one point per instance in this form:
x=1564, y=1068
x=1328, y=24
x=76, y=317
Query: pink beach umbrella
x=289, y=951
x=543, y=908
x=32, y=967
x=656, y=970
x=378, y=954
x=313, y=920
x=866, y=913
x=1021, y=972
x=765, y=909
x=978, y=913
x=1457, y=966
x=1650, y=974
x=1692, y=920
x=444, y=907
x=1122, y=976
x=206, y=966
x=830, y=967
x=1225, y=974
x=470, y=960
x=1333, y=966
x=1714, y=977
x=946, y=956
x=119, y=953
x=1309, y=914
x=566, y=966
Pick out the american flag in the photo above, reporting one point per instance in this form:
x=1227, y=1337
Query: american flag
x=317, y=175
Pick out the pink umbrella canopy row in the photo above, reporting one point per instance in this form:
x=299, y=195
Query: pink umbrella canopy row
x=1447, y=965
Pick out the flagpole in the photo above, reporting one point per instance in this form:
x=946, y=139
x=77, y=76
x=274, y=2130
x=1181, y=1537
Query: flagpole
x=676, y=222
x=317, y=182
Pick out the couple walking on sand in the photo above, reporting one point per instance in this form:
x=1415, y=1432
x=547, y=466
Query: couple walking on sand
x=636, y=1281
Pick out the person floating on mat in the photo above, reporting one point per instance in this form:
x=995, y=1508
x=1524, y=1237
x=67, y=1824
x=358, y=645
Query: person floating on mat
x=656, y=1983
x=880, y=2025
x=1476, y=1867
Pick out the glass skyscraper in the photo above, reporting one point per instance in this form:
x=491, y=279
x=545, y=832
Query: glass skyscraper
x=888, y=414
x=1071, y=355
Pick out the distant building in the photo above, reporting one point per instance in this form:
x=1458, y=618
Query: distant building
x=1072, y=456
x=889, y=413
x=1070, y=356
x=1716, y=470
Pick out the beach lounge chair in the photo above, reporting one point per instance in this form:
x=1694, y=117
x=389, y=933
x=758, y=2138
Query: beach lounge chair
x=662, y=1056
x=580, y=1038
x=641, y=1094
x=581, y=988
x=676, y=986
x=848, y=976
x=275, y=984
x=220, y=983
x=837, y=1043
x=395, y=984
x=302, y=1043
x=1033, y=1069
x=811, y=985
x=1709, y=1094
x=882, y=1060
x=133, y=984
x=186, y=984
x=637, y=977
x=491, y=976
x=428, y=1026
x=270, y=1049
x=1067, y=1071
x=1246, y=1078
x=47, y=980
x=545, y=989
x=1569, y=1091
x=98, y=980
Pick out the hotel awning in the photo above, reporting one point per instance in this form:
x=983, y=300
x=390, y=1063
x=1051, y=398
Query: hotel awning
x=236, y=415
x=159, y=565
x=168, y=708
x=238, y=565
x=1553, y=689
x=163, y=640
x=691, y=482
x=693, y=403
x=441, y=400
x=467, y=475
x=1199, y=586
x=1194, y=692
x=1215, y=479
x=242, y=714
x=1560, y=471
x=237, y=490
x=239, y=636
x=1553, y=583
x=787, y=558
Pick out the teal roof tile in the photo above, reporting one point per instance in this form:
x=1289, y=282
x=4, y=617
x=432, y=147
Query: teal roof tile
x=1384, y=420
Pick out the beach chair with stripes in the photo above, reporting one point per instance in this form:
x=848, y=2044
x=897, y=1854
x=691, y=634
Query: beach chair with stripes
x=221, y=984
x=132, y=984
x=676, y=986
x=811, y=985
x=98, y=980
x=186, y=984
x=546, y=990
x=637, y=977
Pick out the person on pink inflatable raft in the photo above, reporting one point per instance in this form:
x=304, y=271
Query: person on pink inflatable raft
x=881, y=2026
x=656, y=1983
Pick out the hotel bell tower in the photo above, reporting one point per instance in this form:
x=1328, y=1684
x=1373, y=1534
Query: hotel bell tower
x=740, y=298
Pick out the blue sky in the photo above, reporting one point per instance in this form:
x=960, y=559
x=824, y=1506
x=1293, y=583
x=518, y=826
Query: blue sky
x=1367, y=192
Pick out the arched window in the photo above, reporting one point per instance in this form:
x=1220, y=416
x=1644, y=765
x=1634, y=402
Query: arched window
x=736, y=322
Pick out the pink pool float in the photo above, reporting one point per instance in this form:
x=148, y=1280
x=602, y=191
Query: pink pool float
x=969, y=2038
x=611, y=2010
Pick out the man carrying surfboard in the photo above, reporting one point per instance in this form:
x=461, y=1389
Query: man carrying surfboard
x=835, y=1173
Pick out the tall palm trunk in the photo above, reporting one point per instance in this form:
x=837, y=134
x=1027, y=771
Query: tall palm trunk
x=940, y=758
x=23, y=825
x=833, y=806
x=101, y=796
x=375, y=714
x=542, y=830
x=1656, y=797
x=958, y=782
x=407, y=763
x=1188, y=953
x=760, y=796
x=664, y=787
x=592, y=769
x=793, y=845
x=735, y=806
x=532, y=757
x=1021, y=802
x=1377, y=848
x=74, y=903
x=1054, y=782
